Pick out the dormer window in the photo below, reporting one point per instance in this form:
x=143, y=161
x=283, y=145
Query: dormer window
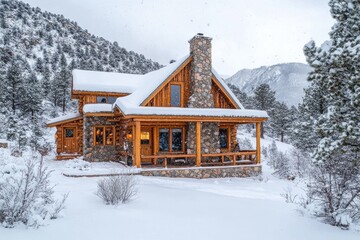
x=175, y=95
x=101, y=99
x=104, y=99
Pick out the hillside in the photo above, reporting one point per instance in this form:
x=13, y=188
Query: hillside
x=38, y=50
x=288, y=80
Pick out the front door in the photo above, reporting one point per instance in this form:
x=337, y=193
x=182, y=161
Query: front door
x=146, y=142
x=70, y=140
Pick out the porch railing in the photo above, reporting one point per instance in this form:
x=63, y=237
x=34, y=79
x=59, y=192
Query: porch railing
x=212, y=159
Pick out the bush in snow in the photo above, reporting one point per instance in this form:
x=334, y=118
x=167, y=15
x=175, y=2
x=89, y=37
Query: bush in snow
x=78, y=163
x=245, y=144
x=117, y=189
x=333, y=192
x=280, y=162
x=26, y=195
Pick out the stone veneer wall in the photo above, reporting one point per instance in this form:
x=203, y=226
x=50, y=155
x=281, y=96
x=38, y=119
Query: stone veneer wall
x=201, y=96
x=206, y=172
x=98, y=153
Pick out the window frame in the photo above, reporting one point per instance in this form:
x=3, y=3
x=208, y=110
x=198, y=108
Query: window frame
x=181, y=93
x=170, y=139
x=228, y=139
x=104, y=127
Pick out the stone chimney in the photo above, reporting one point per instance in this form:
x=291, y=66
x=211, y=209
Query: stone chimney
x=201, y=96
x=200, y=50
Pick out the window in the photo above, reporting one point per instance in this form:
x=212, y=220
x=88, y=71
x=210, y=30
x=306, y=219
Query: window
x=175, y=95
x=173, y=135
x=104, y=99
x=104, y=136
x=177, y=139
x=69, y=133
x=101, y=99
x=164, y=139
x=112, y=99
x=145, y=137
x=223, y=134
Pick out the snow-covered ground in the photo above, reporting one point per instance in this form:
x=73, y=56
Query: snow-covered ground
x=167, y=208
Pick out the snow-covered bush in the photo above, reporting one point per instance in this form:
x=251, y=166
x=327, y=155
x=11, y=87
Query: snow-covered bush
x=245, y=144
x=117, y=189
x=280, y=162
x=78, y=163
x=333, y=192
x=26, y=195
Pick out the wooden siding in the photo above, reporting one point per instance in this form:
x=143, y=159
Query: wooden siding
x=162, y=97
x=221, y=100
x=91, y=98
x=61, y=141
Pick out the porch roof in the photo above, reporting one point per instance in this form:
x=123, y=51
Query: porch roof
x=63, y=119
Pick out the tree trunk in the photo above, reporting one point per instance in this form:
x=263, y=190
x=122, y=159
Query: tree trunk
x=262, y=130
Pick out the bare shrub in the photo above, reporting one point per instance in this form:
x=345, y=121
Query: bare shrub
x=289, y=196
x=333, y=191
x=117, y=189
x=26, y=194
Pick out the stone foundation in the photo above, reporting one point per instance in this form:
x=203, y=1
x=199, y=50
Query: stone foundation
x=99, y=153
x=205, y=172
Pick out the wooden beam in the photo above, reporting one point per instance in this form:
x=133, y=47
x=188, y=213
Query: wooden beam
x=258, y=152
x=198, y=144
x=137, y=145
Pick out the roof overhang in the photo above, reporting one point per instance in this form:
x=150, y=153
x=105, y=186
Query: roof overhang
x=64, y=119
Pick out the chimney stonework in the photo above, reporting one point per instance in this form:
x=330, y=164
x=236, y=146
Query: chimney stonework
x=201, y=96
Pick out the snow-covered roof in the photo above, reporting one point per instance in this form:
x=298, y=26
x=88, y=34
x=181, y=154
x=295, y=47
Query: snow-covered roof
x=201, y=112
x=140, y=87
x=64, y=118
x=94, y=81
x=97, y=107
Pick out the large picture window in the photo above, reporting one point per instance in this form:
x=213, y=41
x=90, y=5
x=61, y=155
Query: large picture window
x=164, y=139
x=175, y=95
x=224, y=137
x=104, y=135
x=173, y=136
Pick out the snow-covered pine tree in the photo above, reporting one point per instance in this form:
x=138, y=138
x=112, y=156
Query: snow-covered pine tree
x=62, y=82
x=13, y=82
x=31, y=101
x=281, y=121
x=264, y=100
x=336, y=177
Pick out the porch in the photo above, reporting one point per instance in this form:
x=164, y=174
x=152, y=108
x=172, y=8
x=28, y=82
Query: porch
x=147, y=151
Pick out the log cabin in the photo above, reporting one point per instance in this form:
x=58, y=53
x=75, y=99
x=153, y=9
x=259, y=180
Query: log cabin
x=182, y=114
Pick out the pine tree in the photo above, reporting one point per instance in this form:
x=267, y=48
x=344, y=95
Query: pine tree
x=13, y=83
x=281, y=121
x=32, y=100
x=62, y=83
x=336, y=177
x=264, y=100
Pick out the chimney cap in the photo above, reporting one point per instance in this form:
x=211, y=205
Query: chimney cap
x=200, y=35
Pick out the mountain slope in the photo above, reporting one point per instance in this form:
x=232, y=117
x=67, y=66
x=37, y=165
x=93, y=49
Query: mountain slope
x=38, y=50
x=288, y=80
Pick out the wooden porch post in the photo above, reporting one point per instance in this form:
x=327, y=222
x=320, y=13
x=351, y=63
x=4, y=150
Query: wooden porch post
x=198, y=144
x=258, y=134
x=137, y=145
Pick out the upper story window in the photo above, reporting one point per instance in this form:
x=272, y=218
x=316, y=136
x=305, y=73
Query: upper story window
x=175, y=95
x=105, y=99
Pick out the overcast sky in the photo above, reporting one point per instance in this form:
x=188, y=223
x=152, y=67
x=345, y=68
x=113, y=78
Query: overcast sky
x=246, y=33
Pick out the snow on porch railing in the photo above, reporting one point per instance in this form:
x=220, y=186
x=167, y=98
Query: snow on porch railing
x=213, y=159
